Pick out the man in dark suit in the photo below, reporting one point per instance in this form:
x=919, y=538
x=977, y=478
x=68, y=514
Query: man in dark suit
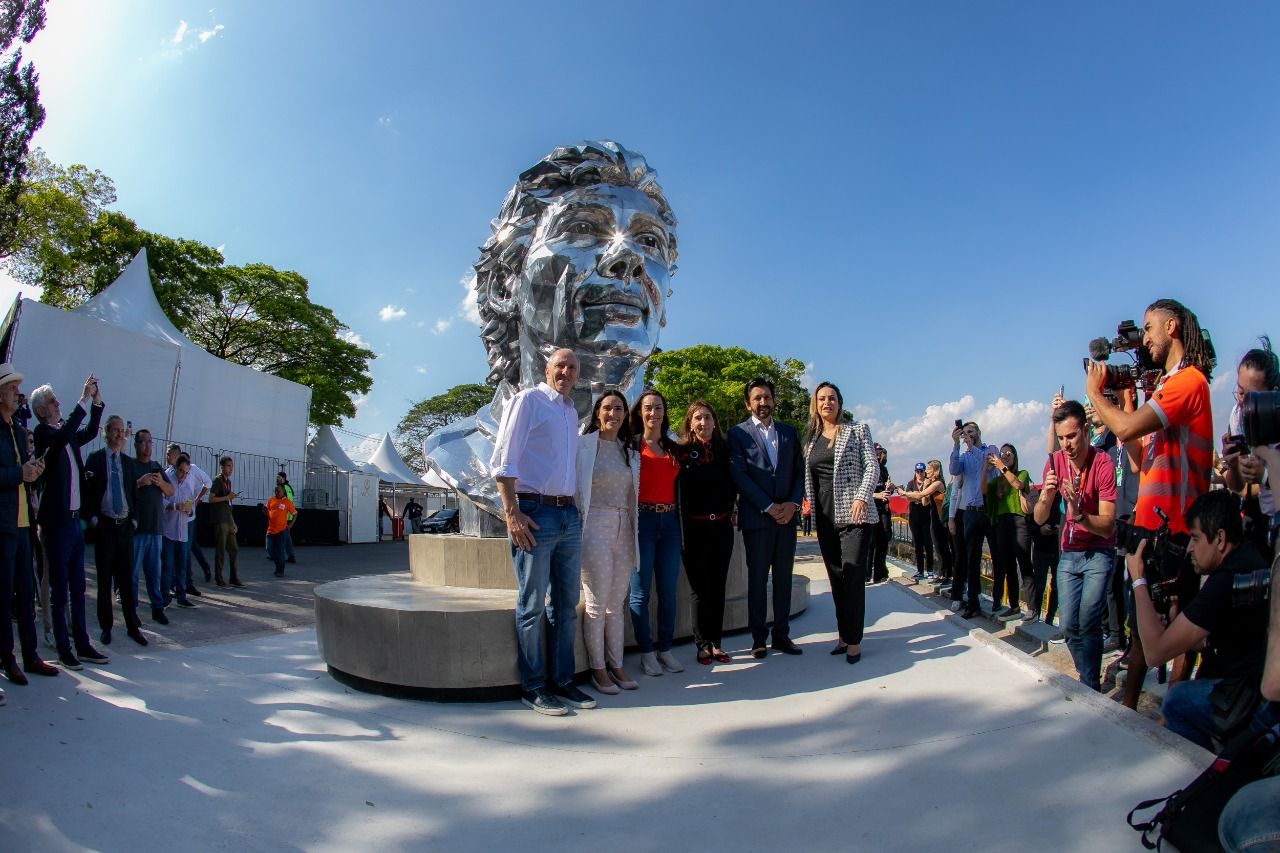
x=17, y=469
x=767, y=465
x=59, y=442
x=109, y=507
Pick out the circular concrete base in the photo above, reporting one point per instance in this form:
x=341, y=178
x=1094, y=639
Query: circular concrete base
x=449, y=642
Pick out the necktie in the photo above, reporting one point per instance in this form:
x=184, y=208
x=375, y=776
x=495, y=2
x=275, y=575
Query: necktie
x=117, y=491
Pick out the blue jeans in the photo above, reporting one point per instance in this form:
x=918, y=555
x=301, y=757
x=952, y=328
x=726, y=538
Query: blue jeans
x=1082, y=602
x=1187, y=711
x=1251, y=821
x=148, y=549
x=659, y=534
x=276, y=548
x=64, y=546
x=174, y=577
x=553, y=566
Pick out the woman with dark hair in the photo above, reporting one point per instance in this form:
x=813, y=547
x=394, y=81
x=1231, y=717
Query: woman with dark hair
x=941, y=538
x=1006, y=499
x=840, y=476
x=659, y=533
x=608, y=486
x=707, y=496
x=1245, y=472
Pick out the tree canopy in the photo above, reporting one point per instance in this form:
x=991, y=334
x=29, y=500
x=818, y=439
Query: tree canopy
x=20, y=112
x=427, y=416
x=719, y=374
x=70, y=244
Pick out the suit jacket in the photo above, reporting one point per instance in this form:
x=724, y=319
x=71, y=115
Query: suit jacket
x=97, y=480
x=11, y=474
x=760, y=483
x=57, y=470
x=856, y=473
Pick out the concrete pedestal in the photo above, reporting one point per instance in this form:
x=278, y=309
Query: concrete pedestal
x=446, y=630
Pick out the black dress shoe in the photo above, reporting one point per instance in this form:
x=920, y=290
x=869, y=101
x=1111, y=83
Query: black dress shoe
x=291, y=560
x=136, y=636
x=853, y=658
x=758, y=651
x=191, y=590
x=106, y=636
x=838, y=650
x=787, y=647
x=157, y=616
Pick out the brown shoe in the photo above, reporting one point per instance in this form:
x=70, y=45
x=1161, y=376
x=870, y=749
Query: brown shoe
x=38, y=666
x=13, y=672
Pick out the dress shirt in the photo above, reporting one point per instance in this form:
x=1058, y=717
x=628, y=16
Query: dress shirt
x=537, y=443
x=175, y=520
x=768, y=436
x=203, y=480
x=971, y=464
x=115, y=464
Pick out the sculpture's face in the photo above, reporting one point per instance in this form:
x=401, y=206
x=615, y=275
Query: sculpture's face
x=595, y=281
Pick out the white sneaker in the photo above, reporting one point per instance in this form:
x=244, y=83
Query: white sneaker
x=669, y=662
x=649, y=663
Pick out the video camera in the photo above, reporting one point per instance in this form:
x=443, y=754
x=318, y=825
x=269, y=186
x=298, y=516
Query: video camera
x=1132, y=375
x=1252, y=589
x=1164, y=562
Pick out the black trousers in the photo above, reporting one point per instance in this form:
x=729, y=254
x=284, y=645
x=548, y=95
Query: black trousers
x=879, y=569
x=1044, y=565
x=708, y=548
x=770, y=549
x=969, y=582
x=942, y=545
x=113, y=554
x=921, y=537
x=17, y=577
x=959, y=571
x=1012, y=563
x=845, y=551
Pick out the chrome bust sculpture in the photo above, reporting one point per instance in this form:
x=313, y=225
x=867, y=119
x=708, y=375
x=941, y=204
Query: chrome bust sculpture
x=580, y=256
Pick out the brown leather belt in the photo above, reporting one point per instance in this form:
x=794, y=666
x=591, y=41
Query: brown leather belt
x=549, y=500
x=658, y=507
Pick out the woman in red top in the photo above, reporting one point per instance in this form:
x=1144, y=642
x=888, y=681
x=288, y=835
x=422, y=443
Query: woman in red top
x=658, y=526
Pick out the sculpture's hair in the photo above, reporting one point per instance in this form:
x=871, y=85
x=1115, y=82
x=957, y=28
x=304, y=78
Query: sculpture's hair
x=502, y=256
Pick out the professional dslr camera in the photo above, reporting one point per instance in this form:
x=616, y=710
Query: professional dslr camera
x=1260, y=414
x=1164, y=562
x=1140, y=373
x=1252, y=589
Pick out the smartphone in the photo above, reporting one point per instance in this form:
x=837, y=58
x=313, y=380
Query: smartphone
x=959, y=423
x=1062, y=391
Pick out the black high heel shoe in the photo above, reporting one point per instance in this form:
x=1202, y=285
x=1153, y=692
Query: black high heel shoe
x=853, y=658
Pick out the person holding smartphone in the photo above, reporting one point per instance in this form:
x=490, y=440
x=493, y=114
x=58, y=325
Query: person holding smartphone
x=224, y=524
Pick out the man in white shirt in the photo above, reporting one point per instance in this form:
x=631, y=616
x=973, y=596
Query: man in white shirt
x=534, y=463
x=194, y=552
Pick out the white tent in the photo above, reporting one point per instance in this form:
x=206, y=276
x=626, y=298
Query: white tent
x=325, y=450
x=153, y=375
x=390, y=468
x=433, y=479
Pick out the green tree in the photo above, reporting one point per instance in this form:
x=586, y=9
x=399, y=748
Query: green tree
x=426, y=416
x=20, y=112
x=71, y=245
x=718, y=375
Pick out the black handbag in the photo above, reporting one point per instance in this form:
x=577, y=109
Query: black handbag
x=1188, y=819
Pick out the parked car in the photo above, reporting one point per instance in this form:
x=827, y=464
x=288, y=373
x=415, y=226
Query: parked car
x=441, y=521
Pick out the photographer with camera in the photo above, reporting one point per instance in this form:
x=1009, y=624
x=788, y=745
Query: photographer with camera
x=1169, y=438
x=1245, y=472
x=1226, y=619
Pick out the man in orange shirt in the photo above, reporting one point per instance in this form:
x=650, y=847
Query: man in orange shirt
x=281, y=515
x=1169, y=439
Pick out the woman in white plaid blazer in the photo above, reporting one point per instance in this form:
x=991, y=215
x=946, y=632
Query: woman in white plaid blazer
x=840, y=476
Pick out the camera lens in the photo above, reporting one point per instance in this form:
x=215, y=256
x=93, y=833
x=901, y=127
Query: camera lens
x=1260, y=411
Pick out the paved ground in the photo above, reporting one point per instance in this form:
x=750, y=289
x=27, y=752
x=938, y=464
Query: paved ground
x=230, y=735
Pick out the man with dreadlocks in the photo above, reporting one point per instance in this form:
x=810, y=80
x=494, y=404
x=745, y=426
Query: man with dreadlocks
x=1169, y=439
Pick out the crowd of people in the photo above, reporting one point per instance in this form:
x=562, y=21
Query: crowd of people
x=141, y=515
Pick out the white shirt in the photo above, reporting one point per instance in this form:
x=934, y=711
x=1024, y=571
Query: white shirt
x=74, y=491
x=768, y=437
x=537, y=442
x=202, y=479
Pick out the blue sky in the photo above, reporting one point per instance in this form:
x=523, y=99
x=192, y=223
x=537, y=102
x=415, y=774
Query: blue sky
x=935, y=205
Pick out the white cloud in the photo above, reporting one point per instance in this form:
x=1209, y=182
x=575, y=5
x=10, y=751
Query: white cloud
x=420, y=369
x=808, y=379
x=441, y=325
x=391, y=312
x=469, y=310
x=181, y=33
x=205, y=35
x=925, y=436
x=354, y=338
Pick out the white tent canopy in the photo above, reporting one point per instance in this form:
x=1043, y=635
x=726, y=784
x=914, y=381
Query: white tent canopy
x=153, y=375
x=433, y=479
x=390, y=468
x=325, y=450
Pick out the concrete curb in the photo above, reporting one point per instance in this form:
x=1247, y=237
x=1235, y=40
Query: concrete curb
x=1073, y=691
